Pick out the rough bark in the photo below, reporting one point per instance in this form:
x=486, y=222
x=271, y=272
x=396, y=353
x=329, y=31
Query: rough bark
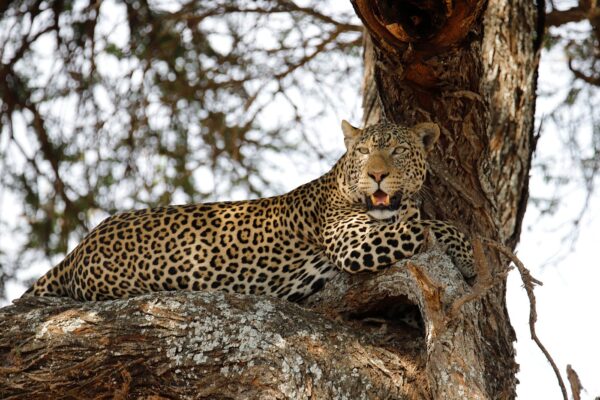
x=347, y=343
x=471, y=67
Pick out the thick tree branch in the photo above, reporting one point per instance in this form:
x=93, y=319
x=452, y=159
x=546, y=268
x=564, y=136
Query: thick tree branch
x=208, y=345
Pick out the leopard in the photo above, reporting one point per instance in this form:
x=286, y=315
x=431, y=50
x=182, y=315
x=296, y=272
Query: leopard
x=361, y=216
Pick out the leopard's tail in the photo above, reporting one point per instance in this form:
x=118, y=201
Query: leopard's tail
x=55, y=283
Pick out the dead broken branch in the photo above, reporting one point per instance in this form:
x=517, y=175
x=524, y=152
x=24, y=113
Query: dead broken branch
x=485, y=281
x=574, y=382
x=529, y=282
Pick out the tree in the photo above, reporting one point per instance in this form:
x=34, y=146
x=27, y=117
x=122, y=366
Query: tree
x=471, y=67
x=474, y=74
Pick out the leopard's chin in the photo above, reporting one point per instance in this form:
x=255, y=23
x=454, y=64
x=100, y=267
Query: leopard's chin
x=382, y=214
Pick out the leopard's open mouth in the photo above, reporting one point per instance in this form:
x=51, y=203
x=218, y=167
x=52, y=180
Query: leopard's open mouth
x=380, y=200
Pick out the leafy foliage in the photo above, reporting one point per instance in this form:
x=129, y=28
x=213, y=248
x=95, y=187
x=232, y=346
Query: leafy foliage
x=572, y=51
x=107, y=106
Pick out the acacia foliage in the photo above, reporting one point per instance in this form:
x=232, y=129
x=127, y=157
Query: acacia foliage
x=108, y=106
x=569, y=91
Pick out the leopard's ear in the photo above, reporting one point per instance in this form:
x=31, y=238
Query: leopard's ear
x=350, y=133
x=428, y=133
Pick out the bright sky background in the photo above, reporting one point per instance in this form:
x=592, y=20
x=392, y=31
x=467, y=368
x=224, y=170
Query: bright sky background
x=568, y=302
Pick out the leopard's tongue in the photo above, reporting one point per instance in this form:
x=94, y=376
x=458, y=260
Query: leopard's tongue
x=380, y=198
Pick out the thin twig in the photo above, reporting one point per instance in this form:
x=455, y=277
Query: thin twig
x=528, y=283
x=304, y=60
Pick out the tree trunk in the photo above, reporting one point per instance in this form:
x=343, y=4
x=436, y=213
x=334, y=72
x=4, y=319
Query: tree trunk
x=472, y=70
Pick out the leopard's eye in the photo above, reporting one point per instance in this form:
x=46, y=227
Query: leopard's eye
x=398, y=151
x=363, y=150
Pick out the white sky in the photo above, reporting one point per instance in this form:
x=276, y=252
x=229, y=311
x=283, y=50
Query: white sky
x=567, y=304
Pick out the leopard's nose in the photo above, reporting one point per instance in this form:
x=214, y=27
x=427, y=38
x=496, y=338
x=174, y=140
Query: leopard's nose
x=378, y=176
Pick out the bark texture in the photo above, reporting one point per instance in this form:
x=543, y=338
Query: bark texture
x=348, y=343
x=470, y=66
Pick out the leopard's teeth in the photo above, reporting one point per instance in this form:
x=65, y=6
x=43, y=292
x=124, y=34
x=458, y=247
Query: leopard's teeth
x=377, y=201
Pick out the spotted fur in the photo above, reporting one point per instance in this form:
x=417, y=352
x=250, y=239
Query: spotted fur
x=286, y=246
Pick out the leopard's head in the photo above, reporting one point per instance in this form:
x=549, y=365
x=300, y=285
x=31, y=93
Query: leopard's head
x=385, y=165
